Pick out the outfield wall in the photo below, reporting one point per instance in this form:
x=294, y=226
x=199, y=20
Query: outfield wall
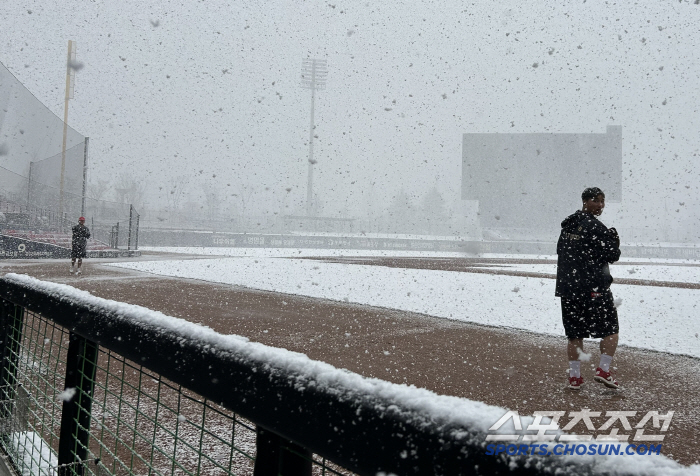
x=12, y=247
x=244, y=240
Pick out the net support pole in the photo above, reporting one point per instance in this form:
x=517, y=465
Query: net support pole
x=29, y=184
x=65, y=125
x=85, y=171
x=138, y=219
x=128, y=241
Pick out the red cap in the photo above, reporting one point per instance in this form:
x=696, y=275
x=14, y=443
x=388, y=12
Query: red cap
x=81, y=219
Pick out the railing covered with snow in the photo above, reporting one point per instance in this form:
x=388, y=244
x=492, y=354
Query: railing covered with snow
x=91, y=386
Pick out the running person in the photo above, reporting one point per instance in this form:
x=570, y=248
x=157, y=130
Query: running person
x=81, y=233
x=585, y=249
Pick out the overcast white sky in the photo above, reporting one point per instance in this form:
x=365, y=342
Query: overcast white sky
x=176, y=88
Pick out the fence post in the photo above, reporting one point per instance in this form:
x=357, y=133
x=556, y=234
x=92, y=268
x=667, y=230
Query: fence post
x=11, y=323
x=276, y=456
x=131, y=209
x=74, y=436
x=114, y=235
x=5, y=333
x=138, y=218
x=85, y=169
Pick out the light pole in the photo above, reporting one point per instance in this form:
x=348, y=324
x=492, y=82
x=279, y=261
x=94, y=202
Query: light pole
x=313, y=77
x=70, y=84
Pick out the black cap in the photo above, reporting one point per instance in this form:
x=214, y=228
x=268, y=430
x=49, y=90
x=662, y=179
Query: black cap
x=590, y=193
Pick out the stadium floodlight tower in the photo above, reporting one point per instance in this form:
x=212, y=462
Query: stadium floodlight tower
x=313, y=77
x=70, y=86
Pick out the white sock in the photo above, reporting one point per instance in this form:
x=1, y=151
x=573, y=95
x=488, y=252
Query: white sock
x=575, y=368
x=605, y=362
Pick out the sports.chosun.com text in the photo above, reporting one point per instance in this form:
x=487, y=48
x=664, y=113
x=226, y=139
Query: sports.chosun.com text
x=574, y=449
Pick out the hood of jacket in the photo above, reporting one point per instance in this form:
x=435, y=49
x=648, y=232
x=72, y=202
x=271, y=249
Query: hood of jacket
x=572, y=222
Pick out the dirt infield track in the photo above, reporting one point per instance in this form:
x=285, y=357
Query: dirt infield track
x=515, y=369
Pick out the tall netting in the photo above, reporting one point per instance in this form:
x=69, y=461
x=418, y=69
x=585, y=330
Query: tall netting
x=31, y=157
x=30, y=132
x=44, y=180
x=32, y=163
x=13, y=186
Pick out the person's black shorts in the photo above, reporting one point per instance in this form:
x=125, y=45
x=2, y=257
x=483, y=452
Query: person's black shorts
x=589, y=315
x=77, y=252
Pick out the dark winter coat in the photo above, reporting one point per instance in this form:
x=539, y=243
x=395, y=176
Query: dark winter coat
x=81, y=233
x=585, y=249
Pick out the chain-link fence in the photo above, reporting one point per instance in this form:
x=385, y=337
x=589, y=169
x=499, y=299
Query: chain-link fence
x=112, y=223
x=117, y=224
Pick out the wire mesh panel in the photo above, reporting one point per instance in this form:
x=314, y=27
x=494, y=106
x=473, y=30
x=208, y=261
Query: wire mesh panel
x=144, y=424
x=32, y=381
x=140, y=422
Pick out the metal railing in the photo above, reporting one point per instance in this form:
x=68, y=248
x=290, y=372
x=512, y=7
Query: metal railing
x=94, y=387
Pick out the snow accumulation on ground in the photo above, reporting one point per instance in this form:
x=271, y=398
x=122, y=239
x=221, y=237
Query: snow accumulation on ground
x=651, y=317
x=36, y=456
x=443, y=409
x=296, y=252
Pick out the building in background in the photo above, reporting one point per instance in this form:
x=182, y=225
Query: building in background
x=525, y=184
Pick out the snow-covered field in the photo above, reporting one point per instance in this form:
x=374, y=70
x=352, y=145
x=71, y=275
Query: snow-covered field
x=657, y=318
x=296, y=252
x=656, y=272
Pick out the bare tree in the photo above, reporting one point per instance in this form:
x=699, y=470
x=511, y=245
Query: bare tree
x=243, y=196
x=130, y=190
x=176, y=191
x=98, y=189
x=317, y=205
x=401, y=213
x=211, y=199
x=434, y=211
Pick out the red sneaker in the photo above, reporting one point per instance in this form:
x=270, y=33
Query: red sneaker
x=575, y=383
x=605, y=378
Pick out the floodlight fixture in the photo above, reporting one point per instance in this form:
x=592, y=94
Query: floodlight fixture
x=314, y=73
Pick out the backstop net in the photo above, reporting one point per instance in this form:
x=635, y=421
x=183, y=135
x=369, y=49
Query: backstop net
x=31, y=142
x=42, y=182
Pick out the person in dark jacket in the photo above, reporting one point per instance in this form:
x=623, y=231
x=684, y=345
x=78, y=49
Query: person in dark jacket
x=81, y=233
x=585, y=250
